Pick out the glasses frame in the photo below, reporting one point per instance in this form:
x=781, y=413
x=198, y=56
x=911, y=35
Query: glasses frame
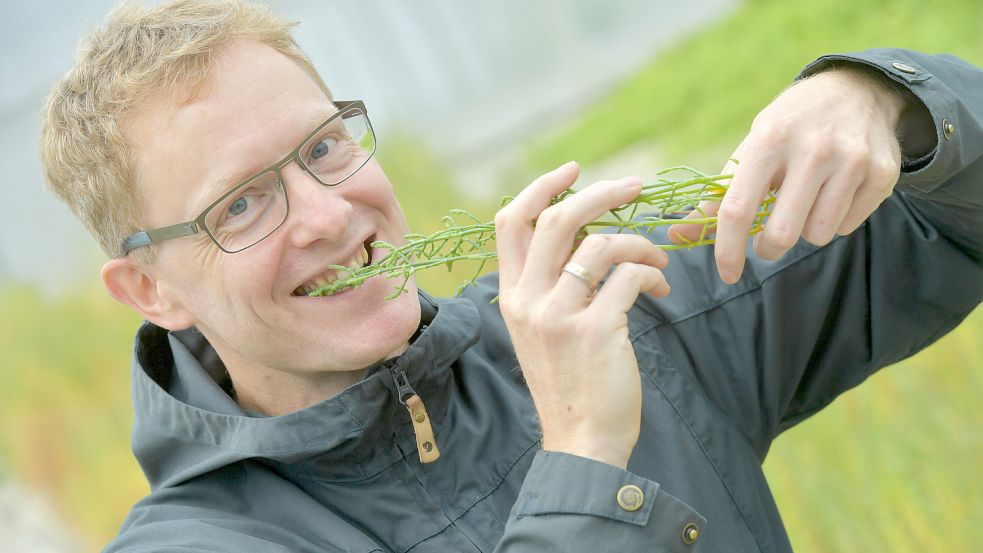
x=144, y=238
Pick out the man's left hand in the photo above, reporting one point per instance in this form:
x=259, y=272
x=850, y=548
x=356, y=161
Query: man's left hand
x=828, y=144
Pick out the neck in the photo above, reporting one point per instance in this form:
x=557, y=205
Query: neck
x=274, y=393
x=278, y=391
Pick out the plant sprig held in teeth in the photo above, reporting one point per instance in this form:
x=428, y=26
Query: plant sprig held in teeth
x=470, y=239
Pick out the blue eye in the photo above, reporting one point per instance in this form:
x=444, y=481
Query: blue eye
x=320, y=149
x=238, y=206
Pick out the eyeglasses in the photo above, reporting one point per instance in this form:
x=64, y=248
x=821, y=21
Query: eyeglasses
x=257, y=206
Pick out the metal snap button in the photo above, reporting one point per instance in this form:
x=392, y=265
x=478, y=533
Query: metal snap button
x=630, y=497
x=690, y=532
x=947, y=129
x=904, y=68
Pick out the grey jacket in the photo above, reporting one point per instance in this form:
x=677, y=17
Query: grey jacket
x=344, y=474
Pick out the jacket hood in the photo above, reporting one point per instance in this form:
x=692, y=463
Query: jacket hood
x=187, y=424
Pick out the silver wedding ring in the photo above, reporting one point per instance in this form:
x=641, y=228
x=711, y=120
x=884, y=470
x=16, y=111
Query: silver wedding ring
x=582, y=274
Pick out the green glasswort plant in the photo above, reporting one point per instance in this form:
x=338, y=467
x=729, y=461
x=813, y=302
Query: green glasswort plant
x=471, y=239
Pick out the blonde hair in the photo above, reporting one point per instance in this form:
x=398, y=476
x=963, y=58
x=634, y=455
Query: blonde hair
x=137, y=54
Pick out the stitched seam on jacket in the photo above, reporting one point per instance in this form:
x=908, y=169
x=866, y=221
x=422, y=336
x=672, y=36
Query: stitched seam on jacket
x=720, y=304
x=718, y=410
x=498, y=485
x=706, y=454
x=725, y=301
x=451, y=522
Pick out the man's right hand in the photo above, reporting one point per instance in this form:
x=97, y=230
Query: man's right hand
x=573, y=344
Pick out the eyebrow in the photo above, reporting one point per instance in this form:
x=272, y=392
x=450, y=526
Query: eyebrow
x=220, y=186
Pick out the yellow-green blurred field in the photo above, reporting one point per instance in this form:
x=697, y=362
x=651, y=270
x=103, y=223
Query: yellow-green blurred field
x=895, y=465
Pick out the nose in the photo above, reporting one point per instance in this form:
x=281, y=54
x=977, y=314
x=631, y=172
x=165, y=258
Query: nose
x=317, y=212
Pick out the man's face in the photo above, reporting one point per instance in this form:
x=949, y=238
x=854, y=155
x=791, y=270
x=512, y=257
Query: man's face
x=254, y=108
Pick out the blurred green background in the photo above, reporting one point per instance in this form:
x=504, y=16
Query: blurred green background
x=895, y=465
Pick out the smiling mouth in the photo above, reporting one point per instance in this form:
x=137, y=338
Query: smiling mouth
x=330, y=276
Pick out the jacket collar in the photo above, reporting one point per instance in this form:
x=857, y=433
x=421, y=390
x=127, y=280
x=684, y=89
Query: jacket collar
x=186, y=423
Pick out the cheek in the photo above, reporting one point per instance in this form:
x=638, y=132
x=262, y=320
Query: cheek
x=223, y=283
x=384, y=199
x=229, y=302
x=376, y=189
x=249, y=278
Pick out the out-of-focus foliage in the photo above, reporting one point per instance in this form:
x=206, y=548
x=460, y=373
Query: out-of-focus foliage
x=65, y=412
x=892, y=466
x=703, y=93
x=424, y=190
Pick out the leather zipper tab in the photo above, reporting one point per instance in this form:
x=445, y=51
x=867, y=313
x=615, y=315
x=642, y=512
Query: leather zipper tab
x=426, y=442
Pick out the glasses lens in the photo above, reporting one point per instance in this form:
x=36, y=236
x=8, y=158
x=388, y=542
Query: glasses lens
x=248, y=214
x=339, y=148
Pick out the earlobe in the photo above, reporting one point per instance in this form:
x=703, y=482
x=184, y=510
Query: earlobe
x=134, y=285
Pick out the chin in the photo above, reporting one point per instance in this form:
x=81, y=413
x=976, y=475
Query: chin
x=383, y=335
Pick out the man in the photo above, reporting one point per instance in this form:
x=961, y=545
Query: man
x=271, y=421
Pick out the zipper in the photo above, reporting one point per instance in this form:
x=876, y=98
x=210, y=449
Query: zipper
x=426, y=442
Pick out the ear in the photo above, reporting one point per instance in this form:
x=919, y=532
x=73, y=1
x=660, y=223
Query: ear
x=136, y=286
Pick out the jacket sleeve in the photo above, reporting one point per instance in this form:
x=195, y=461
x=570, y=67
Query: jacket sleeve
x=795, y=333
x=569, y=503
x=184, y=528
x=221, y=534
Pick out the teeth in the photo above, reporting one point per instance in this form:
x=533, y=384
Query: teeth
x=357, y=262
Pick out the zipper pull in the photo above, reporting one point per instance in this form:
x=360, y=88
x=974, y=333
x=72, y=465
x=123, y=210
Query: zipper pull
x=426, y=442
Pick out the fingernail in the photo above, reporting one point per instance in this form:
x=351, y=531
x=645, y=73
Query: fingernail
x=566, y=165
x=632, y=183
x=728, y=276
x=658, y=293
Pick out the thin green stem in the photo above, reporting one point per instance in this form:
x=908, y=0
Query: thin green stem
x=472, y=241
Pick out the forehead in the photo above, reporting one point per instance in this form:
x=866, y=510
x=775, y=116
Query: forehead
x=251, y=108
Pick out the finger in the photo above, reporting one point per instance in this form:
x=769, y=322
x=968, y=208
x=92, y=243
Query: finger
x=832, y=205
x=597, y=254
x=867, y=199
x=624, y=285
x=882, y=176
x=514, y=222
x=796, y=197
x=751, y=182
x=681, y=233
x=558, y=224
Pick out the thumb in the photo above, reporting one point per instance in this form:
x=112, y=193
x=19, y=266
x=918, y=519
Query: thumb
x=695, y=230
x=683, y=232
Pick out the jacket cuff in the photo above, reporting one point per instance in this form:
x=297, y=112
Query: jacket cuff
x=559, y=483
x=926, y=173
